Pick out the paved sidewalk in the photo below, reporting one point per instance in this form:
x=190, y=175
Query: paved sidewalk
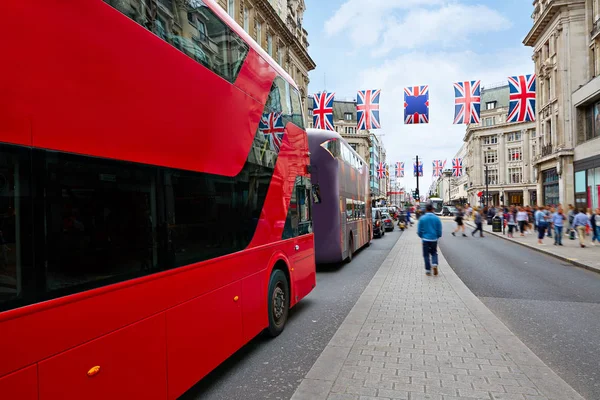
x=588, y=257
x=413, y=337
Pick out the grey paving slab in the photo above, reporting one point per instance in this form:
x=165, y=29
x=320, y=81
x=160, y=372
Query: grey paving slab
x=411, y=336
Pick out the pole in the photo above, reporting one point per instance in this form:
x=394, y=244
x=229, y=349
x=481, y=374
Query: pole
x=487, y=193
x=417, y=173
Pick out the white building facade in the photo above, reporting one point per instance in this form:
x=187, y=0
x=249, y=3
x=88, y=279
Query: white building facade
x=561, y=48
x=501, y=152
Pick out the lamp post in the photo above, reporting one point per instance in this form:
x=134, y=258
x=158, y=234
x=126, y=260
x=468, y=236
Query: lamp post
x=417, y=194
x=487, y=193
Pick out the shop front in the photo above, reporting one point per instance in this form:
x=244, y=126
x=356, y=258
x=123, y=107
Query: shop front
x=514, y=198
x=587, y=183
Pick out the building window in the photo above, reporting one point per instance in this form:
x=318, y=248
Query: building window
x=280, y=55
x=515, y=175
x=354, y=146
x=514, y=136
x=246, y=19
x=489, y=121
x=492, y=176
x=270, y=44
x=532, y=133
x=259, y=33
x=550, y=187
x=515, y=154
x=547, y=50
x=533, y=146
x=348, y=116
x=231, y=8
x=490, y=157
x=310, y=112
x=490, y=139
x=490, y=105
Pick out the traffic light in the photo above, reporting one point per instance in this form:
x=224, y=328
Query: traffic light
x=502, y=198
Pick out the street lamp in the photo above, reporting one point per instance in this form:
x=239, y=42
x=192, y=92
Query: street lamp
x=487, y=191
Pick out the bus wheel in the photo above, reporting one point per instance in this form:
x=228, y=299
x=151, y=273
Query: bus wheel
x=279, y=302
x=350, y=248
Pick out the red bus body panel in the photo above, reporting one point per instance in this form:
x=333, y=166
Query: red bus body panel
x=80, y=77
x=131, y=360
x=20, y=385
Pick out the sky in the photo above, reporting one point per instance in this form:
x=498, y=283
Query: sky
x=392, y=44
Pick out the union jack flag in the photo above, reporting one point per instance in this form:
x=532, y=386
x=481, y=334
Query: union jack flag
x=418, y=169
x=271, y=125
x=438, y=167
x=400, y=169
x=457, y=167
x=323, y=111
x=381, y=169
x=522, y=98
x=467, y=102
x=416, y=105
x=367, y=109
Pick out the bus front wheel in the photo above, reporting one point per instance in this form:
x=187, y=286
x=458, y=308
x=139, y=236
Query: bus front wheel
x=279, y=302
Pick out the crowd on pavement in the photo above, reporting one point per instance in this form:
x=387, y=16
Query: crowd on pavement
x=545, y=221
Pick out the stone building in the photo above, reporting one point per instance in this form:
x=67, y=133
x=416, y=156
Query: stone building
x=505, y=149
x=562, y=46
x=586, y=100
x=277, y=26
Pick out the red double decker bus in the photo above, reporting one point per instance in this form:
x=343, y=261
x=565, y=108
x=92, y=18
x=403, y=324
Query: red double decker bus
x=154, y=197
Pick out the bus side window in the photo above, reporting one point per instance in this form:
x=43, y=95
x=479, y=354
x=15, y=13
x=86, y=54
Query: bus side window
x=297, y=118
x=298, y=221
x=197, y=32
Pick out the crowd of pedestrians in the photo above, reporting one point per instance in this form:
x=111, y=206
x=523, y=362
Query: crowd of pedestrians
x=545, y=221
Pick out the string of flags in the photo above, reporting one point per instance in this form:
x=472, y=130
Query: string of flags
x=438, y=168
x=467, y=104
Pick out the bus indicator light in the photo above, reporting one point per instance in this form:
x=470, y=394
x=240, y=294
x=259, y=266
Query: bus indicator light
x=236, y=298
x=93, y=371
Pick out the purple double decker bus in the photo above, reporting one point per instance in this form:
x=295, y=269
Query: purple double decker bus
x=341, y=197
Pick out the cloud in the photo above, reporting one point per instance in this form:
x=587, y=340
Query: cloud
x=363, y=23
x=386, y=25
x=439, y=139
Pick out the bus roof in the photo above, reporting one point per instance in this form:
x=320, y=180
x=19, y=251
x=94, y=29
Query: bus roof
x=325, y=134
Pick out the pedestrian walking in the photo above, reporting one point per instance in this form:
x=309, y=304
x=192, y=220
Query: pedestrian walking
x=460, y=225
x=549, y=211
x=580, y=222
x=478, y=222
x=429, y=229
x=540, y=223
x=595, y=224
x=571, y=217
x=511, y=220
x=522, y=220
x=558, y=221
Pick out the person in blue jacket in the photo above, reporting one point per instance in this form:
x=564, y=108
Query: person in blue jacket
x=429, y=230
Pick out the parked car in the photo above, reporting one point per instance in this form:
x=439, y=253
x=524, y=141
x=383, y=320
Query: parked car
x=448, y=211
x=388, y=222
x=378, y=228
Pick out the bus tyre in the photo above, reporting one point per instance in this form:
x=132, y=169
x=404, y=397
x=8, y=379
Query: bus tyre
x=279, y=302
x=350, y=249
